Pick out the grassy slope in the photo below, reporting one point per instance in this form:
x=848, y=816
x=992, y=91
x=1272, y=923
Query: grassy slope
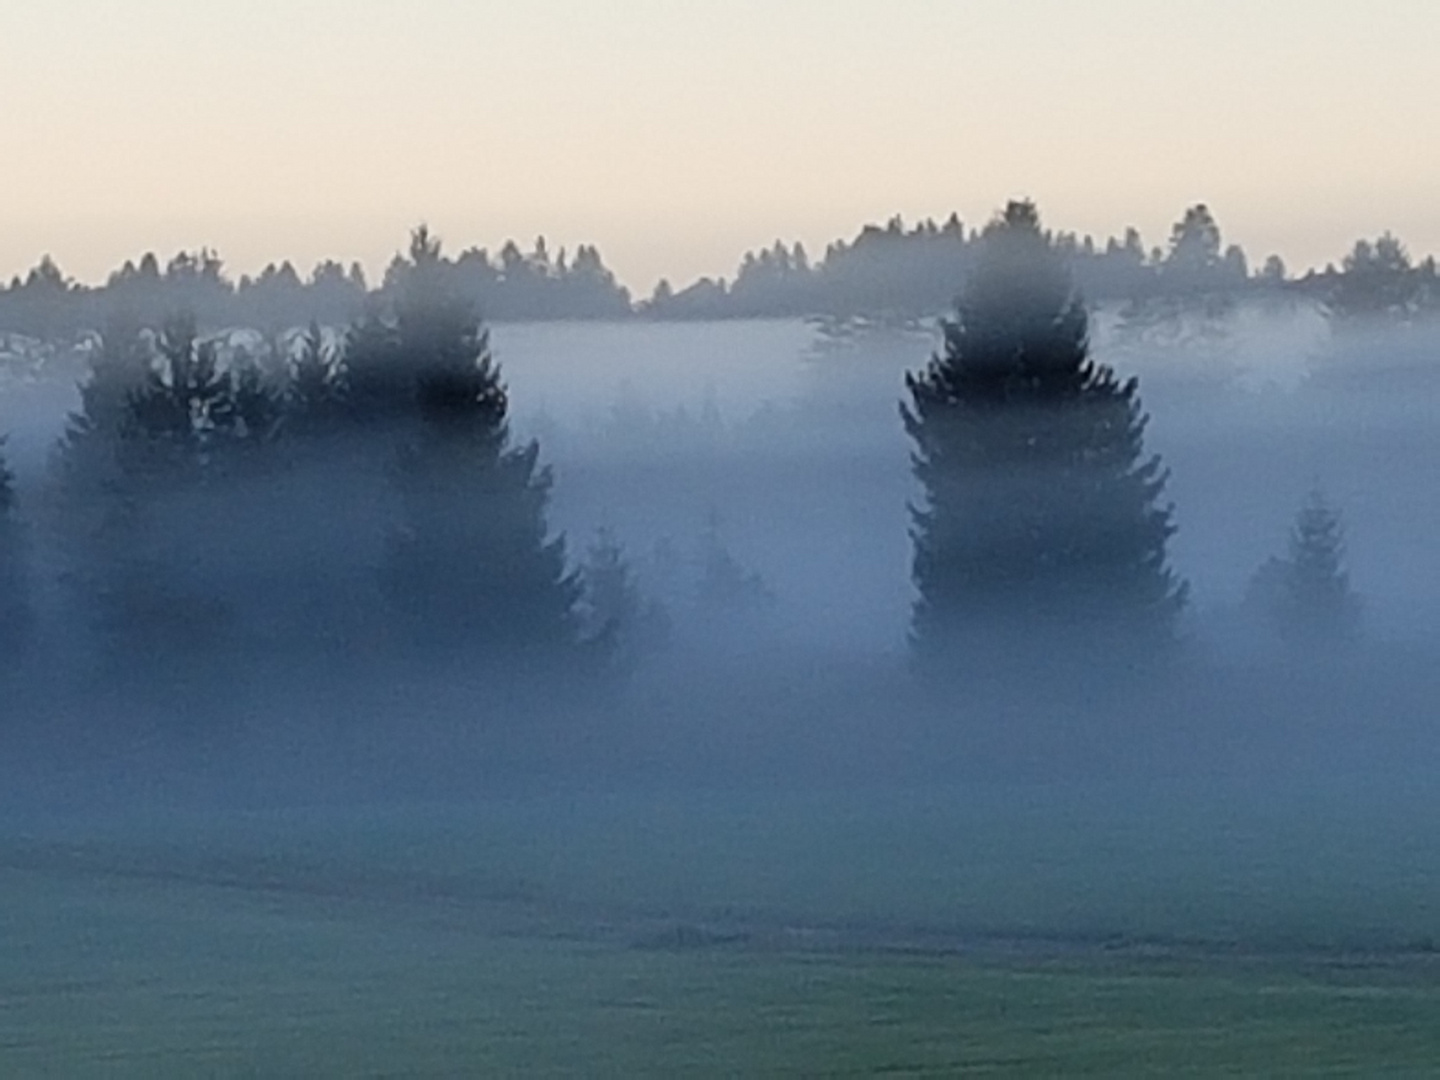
x=557, y=937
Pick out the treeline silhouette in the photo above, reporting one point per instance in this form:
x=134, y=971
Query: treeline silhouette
x=889, y=272
x=511, y=286
x=896, y=272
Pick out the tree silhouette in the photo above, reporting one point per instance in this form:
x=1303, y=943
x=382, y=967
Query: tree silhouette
x=181, y=409
x=147, y=500
x=378, y=386
x=472, y=566
x=315, y=396
x=1194, y=256
x=725, y=586
x=118, y=368
x=1307, y=595
x=615, y=615
x=1040, y=507
x=1379, y=283
x=96, y=505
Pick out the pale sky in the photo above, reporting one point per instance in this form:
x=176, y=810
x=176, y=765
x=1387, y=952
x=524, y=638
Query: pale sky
x=675, y=134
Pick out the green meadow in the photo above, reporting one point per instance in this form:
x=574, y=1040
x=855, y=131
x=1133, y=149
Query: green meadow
x=1017, y=931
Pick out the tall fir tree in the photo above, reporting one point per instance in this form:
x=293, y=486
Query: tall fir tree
x=1041, y=510
x=473, y=566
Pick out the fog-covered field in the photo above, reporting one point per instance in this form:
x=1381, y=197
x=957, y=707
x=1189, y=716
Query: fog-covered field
x=769, y=855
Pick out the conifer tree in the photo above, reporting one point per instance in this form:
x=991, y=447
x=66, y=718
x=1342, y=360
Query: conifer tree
x=379, y=389
x=180, y=411
x=87, y=458
x=316, y=392
x=117, y=369
x=95, y=506
x=1379, y=284
x=725, y=586
x=617, y=619
x=1041, y=509
x=143, y=500
x=1307, y=595
x=473, y=565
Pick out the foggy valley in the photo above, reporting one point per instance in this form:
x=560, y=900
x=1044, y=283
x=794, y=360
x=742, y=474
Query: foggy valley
x=998, y=640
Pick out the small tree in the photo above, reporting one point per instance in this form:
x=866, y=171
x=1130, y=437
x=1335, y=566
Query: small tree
x=1307, y=595
x=118, y=368
x=615, y=615
x=315, y=397
x=180, y=410
x=1194, y=260
x=726, y=588
x=1041, y=508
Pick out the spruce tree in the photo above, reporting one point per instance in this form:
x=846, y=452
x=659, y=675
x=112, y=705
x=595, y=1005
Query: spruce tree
x=118, y=367
x=143, y=470
x=1307, y=595
x=183, y=408
x=726, y=588
x=86, y=459
x=617, y=619
x=472, y=566
x=95, y=508
x=1041, y=510
x=379, y=387
x=315, y=396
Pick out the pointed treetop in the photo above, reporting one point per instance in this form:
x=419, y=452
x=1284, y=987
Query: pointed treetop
x=424, y=247
x=1021, y=214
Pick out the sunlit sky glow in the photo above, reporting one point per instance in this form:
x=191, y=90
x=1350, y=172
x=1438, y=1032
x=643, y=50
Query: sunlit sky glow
x=677, y=133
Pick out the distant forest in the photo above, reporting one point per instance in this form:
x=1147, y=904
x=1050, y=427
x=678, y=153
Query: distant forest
x=890, y=272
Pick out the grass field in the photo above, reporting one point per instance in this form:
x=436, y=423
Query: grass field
x=1003, y=932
